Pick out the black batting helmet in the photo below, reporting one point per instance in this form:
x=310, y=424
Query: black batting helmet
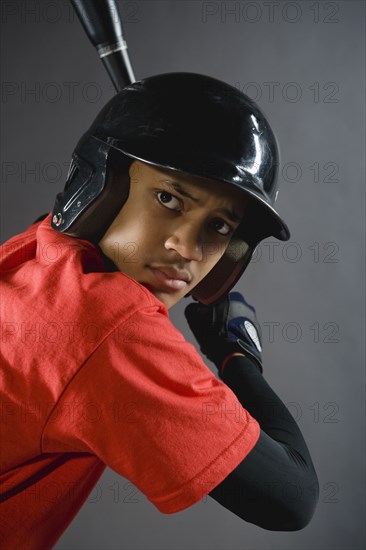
x=185, y=122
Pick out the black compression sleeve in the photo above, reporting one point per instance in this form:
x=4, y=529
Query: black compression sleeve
x=275, y=486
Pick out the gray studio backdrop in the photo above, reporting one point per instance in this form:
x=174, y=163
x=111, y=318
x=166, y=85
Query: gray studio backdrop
x=303, y=62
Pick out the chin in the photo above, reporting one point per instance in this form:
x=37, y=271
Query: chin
x=170, y=300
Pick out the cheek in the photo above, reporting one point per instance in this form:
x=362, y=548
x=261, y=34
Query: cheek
x=121, y=243
x=132, y=245
x=210, y=261
x=138, y=240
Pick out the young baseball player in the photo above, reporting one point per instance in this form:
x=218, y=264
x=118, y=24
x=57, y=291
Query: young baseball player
x=168, y=194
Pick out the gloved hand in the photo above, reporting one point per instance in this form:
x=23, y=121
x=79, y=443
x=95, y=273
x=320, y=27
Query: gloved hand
x=227, y=327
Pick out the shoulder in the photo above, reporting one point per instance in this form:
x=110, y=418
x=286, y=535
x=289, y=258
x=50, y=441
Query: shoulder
x=77, y=274
x=60, y=285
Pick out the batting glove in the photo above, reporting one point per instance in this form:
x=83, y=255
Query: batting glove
x=226, y=327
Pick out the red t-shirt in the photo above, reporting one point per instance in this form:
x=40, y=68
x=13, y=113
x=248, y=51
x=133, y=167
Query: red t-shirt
x=94, y=374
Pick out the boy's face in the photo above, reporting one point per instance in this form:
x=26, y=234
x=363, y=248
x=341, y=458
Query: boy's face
x=172, y=230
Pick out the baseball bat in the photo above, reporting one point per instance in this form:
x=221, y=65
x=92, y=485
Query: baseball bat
x=102, y=23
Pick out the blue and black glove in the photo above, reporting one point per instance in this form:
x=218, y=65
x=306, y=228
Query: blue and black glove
x=226, y=327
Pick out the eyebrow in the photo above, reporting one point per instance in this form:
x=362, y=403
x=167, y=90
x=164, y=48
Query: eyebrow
x=231, y=214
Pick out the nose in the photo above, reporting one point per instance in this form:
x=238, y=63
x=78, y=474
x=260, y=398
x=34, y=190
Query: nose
x=186, y=240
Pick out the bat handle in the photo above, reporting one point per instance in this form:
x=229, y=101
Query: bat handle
x=117, y=63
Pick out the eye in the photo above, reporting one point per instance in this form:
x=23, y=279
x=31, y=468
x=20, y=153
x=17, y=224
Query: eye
x=221, y=226
x=168, y=200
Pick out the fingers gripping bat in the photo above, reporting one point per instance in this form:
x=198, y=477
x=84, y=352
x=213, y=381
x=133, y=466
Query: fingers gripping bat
x=102, y=23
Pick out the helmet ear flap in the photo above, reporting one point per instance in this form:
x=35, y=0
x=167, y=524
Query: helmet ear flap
x=95, y=191
x=226, y=272
x=96, y=219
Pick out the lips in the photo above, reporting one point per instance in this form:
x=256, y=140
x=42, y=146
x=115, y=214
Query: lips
x=171, y=278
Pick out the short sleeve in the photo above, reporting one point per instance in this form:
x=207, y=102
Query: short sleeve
x=147, y=405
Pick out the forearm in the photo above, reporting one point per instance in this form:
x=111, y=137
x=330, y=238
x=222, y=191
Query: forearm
x=275, y=486
x=258, y=398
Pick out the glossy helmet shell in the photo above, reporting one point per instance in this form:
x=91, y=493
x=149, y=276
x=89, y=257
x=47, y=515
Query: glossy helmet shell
x=184, y=122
